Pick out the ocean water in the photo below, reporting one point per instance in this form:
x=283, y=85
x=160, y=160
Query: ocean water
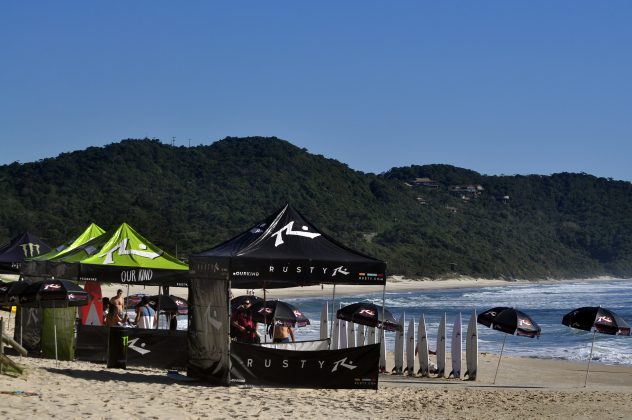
x=545, y=303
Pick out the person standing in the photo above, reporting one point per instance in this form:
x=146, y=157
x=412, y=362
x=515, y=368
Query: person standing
x=145, y=315
x=242, y=326
x=282, y=334
x=118, y=302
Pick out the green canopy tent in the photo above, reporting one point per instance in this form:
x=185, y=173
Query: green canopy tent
x=39, y=265
x=123, y=256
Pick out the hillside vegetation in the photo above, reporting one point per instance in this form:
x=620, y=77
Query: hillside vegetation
x=422, y=220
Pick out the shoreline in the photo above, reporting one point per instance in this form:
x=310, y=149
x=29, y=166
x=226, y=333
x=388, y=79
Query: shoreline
x=394, y=284
x=402, y=284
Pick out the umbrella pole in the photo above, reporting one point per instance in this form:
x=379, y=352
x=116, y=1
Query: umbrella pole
x=589, y=358
x=500, y=358
x=333, y=315
x=55, y=333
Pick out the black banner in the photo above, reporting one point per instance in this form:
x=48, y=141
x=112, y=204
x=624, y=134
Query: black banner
x=164, y=349
x=209, y=328
x=355, y=367
x=92, y=343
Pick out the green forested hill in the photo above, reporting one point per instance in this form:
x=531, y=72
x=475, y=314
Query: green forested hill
x=189, y=199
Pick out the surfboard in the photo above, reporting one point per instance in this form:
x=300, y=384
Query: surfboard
x=422, y=348
x=456, y=347
x=335, y=335
x=92, y=313
x=441, y=348
x=399, y=347
x=381, y=337
x=324, y=325
x=471, y=349
x=370, y=339
x=359, y=335
x=410, y=348
x=343, y=343
x=351, y=334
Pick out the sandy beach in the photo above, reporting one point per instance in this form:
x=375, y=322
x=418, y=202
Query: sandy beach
x=524, y=388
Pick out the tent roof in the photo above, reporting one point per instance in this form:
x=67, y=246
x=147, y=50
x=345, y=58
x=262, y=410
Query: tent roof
x=92, y=231
x=121, y=256
x=19, y=249
x=287, y=250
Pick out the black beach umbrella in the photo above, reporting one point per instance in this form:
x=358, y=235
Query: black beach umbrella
x=10, y=292
x=10, y=296
x=169, y=303
x=599, y=320
x=53, y=294
x=488, y=316
x=236, y=302
x=370, y=314
x=132, y=301
x=278, y=312
x=510, y=321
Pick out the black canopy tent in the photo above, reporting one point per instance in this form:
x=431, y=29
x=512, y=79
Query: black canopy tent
x=284, y=250
x=15, y=252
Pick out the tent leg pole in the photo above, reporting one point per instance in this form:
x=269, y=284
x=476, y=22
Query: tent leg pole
x=500, y=358
x=265, y=319
x=589, y=358
x=333, y=315
x=383, y=303
x=158, y=307
x=21, y=323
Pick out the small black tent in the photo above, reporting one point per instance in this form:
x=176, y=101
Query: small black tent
x=284, y=250
x=24, y=246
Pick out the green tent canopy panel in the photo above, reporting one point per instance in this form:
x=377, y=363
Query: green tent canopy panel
x=124, y=256
x=91, y=232
x=41, y=266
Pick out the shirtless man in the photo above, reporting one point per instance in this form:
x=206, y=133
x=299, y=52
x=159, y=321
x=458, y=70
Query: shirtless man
x=282, y=334
x=119, y=302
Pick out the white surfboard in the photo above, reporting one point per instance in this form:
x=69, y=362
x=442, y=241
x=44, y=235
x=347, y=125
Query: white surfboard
x=335, y=335
x=370, y=335
x=399, y=347
x=351, y=334
x=422, y=348
x=441, y=348
x=342, y=342
x=359, y=335
x=410, y=348
x=471, y=349
x=324, y=325
x=456, y=347
x=382, y=350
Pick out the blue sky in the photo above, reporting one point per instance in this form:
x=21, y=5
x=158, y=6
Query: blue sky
x=499, y=87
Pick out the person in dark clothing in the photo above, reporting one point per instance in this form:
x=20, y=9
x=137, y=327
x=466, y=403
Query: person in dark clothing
x=242, y=327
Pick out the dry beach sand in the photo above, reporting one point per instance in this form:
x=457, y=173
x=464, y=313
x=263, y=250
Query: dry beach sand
x=525, y=388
